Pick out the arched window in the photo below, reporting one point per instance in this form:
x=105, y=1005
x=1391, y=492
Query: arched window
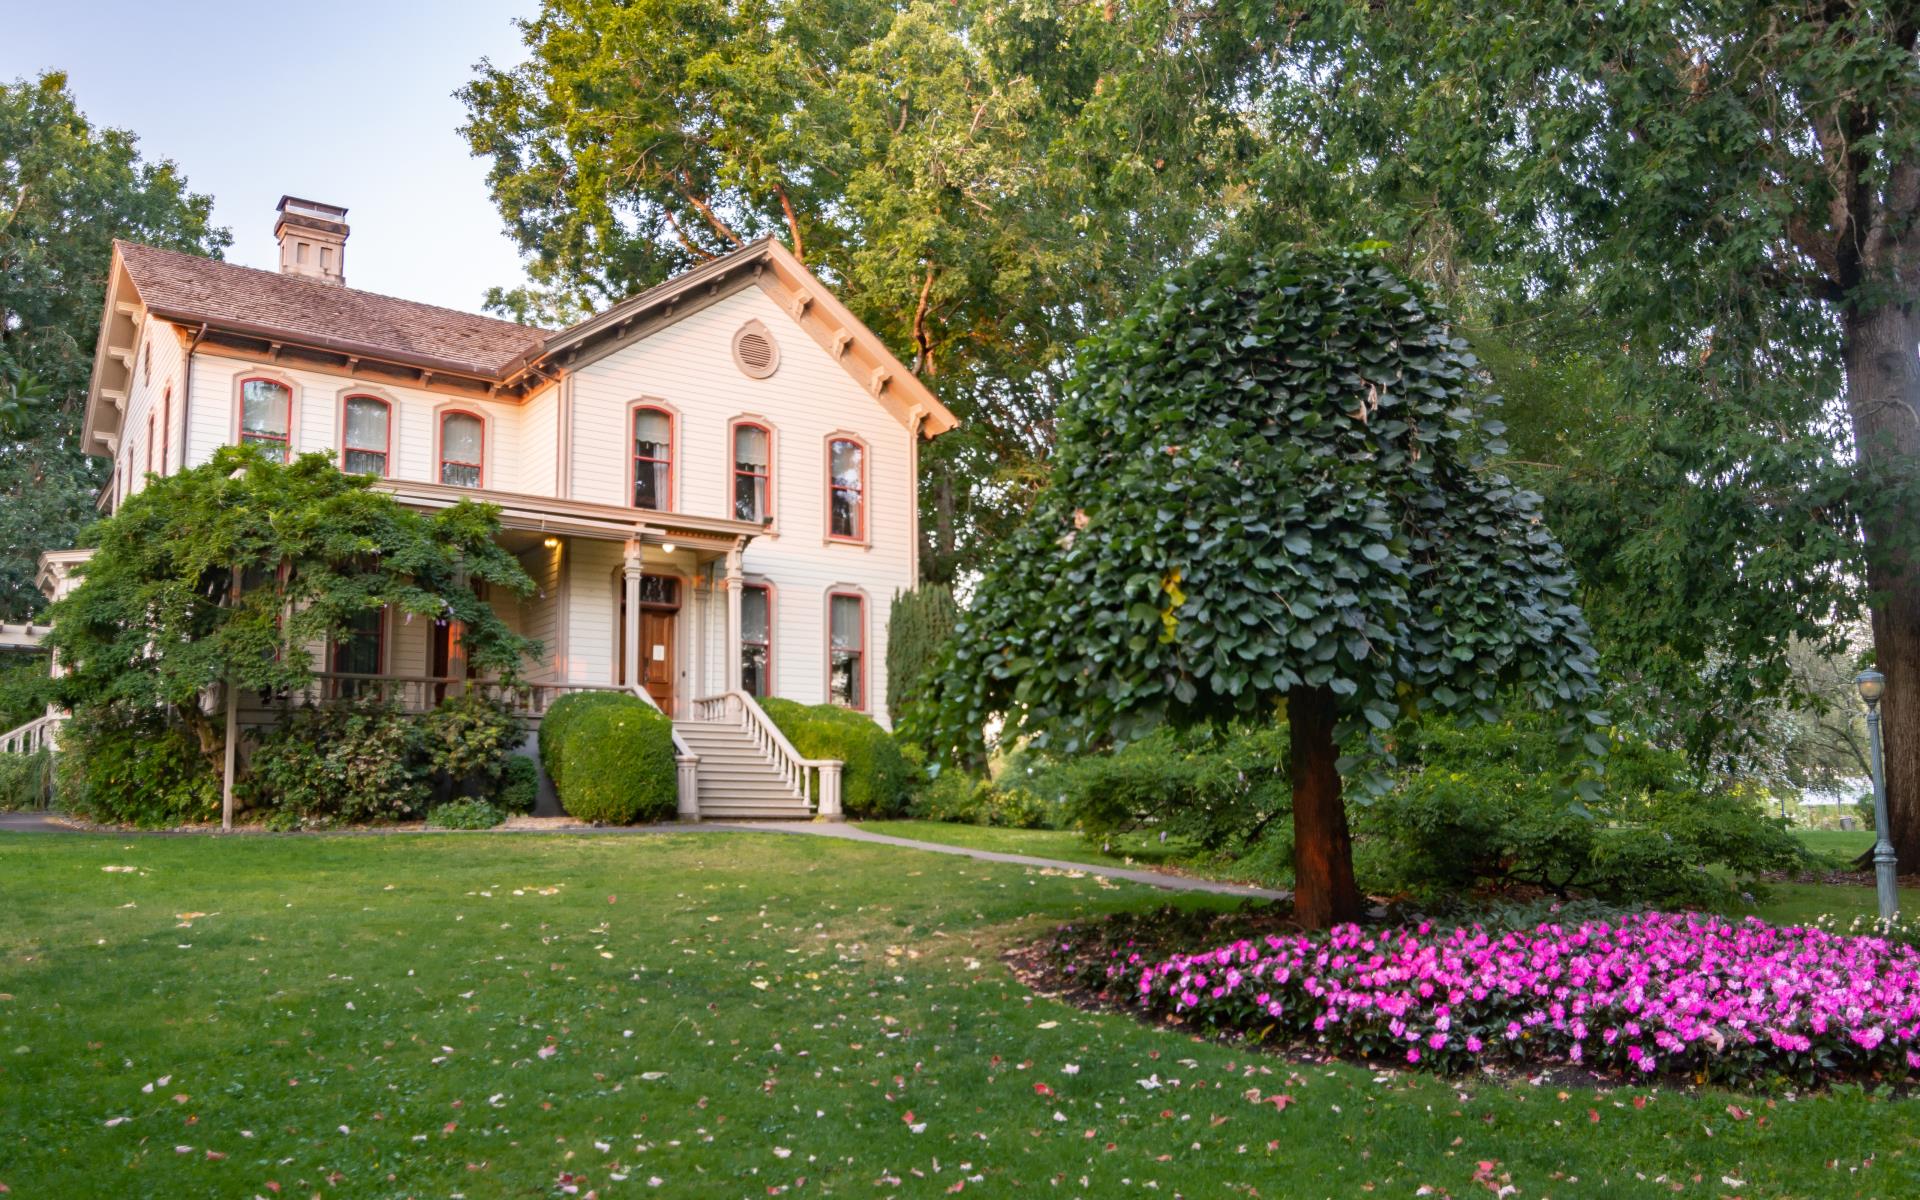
x=652, y=459
x=756, y=639
x=266, y=415
x=752, y=473
x=366, y=436
x=847, y=649
x=846, y=490
x=463, y=443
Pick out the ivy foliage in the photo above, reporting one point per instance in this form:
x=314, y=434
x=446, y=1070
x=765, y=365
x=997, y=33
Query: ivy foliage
x=1270, y=476
x=154, y=621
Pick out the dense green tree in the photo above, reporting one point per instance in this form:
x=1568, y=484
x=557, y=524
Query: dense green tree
x=1269, y=488
x=982, y=183
x=67, y=190
x=230, y=573
x=1723, y=194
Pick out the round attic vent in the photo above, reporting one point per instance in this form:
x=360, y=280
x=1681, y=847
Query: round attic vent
x=755, y=352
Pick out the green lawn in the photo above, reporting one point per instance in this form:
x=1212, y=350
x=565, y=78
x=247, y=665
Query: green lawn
x=730, y=1015
x=1134, y=849
x=1840, y=845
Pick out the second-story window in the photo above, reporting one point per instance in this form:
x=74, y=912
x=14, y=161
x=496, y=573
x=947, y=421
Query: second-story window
x=847, y=486
x=652, y=459
x=463, y=438
x=266, y=411
x=752, y=474
x=756, y=638
x=364, y=436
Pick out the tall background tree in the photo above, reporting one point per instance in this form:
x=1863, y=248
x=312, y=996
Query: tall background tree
x=984, y=183
x=67, y=189
x=1688, y=227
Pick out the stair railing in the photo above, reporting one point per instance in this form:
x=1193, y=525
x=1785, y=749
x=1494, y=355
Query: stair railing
x=816, y=778
x=41, y=733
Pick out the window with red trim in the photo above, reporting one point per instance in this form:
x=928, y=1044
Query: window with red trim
x=463, y=441
x=366, y=435
x=756, y=638
x=150, y=419
x=847, y=489
x=266, y=414
x=166, y=425
x=847, y=649
x=361, y=652
x=752, y=473
x=652, y=459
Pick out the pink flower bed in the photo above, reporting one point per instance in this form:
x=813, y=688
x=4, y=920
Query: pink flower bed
x=1652, y=992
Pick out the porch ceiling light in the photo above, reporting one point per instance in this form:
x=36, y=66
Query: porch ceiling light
x=666, y=547
x=550, y=542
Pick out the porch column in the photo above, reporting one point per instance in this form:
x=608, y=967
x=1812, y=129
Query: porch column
x=736, y=578
x=630, y=572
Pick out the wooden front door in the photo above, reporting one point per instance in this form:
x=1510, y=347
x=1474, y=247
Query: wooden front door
x=656, y=655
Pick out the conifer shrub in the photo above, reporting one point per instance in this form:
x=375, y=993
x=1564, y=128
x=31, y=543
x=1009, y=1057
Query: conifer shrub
x=519, y=787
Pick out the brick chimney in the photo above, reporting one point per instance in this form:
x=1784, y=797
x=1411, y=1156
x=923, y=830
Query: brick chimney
x=313, y=239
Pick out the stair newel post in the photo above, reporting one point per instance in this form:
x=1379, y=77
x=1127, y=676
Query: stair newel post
x=830, y=792
x=688, y=789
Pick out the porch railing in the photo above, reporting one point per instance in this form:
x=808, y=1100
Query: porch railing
x=418, y=693
x=818, y=778
x=41, y=733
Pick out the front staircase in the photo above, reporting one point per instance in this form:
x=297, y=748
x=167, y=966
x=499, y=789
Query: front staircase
x=737, y=780
x=743, y=768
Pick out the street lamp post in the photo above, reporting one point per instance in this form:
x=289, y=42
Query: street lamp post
x=1873, y=685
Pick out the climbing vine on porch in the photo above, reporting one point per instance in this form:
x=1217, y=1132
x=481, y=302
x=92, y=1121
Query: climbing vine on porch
x=155, y=621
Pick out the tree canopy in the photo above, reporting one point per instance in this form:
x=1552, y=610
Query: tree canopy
x=156, y=621
x=981, y=183
x=67, y=189
x=1270, y=485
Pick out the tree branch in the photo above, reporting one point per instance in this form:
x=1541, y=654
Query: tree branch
x=704, y=209
x=793, y=223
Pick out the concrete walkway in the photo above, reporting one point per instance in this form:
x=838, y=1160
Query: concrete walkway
x=42, y=823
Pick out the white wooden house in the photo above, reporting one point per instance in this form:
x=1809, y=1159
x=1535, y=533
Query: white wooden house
x=712, y=483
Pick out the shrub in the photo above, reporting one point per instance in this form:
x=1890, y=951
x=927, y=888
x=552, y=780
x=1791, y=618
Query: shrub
x=617, y=762
x=1485, y=805
x=26, y=781
x=465, y=813
x=876, y=781
x=561, y=714
x=134, y=767
x=519, y=787
x=961, y=798
x=1222, y=790
x=466, y=743
x=343, y=763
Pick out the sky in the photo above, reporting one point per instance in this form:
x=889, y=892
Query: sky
x=348, y=102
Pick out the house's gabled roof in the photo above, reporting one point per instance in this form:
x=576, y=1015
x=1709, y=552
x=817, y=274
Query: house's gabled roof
x=788, y=280
x=292, y=308
x=271, y=312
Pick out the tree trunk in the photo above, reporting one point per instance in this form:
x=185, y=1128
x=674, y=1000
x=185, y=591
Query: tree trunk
x=1883, y=395
x=1324, y=893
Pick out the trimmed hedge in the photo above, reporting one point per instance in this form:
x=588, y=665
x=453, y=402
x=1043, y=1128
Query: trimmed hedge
x=876, y=781
x=611, y=758
x=560, y=716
